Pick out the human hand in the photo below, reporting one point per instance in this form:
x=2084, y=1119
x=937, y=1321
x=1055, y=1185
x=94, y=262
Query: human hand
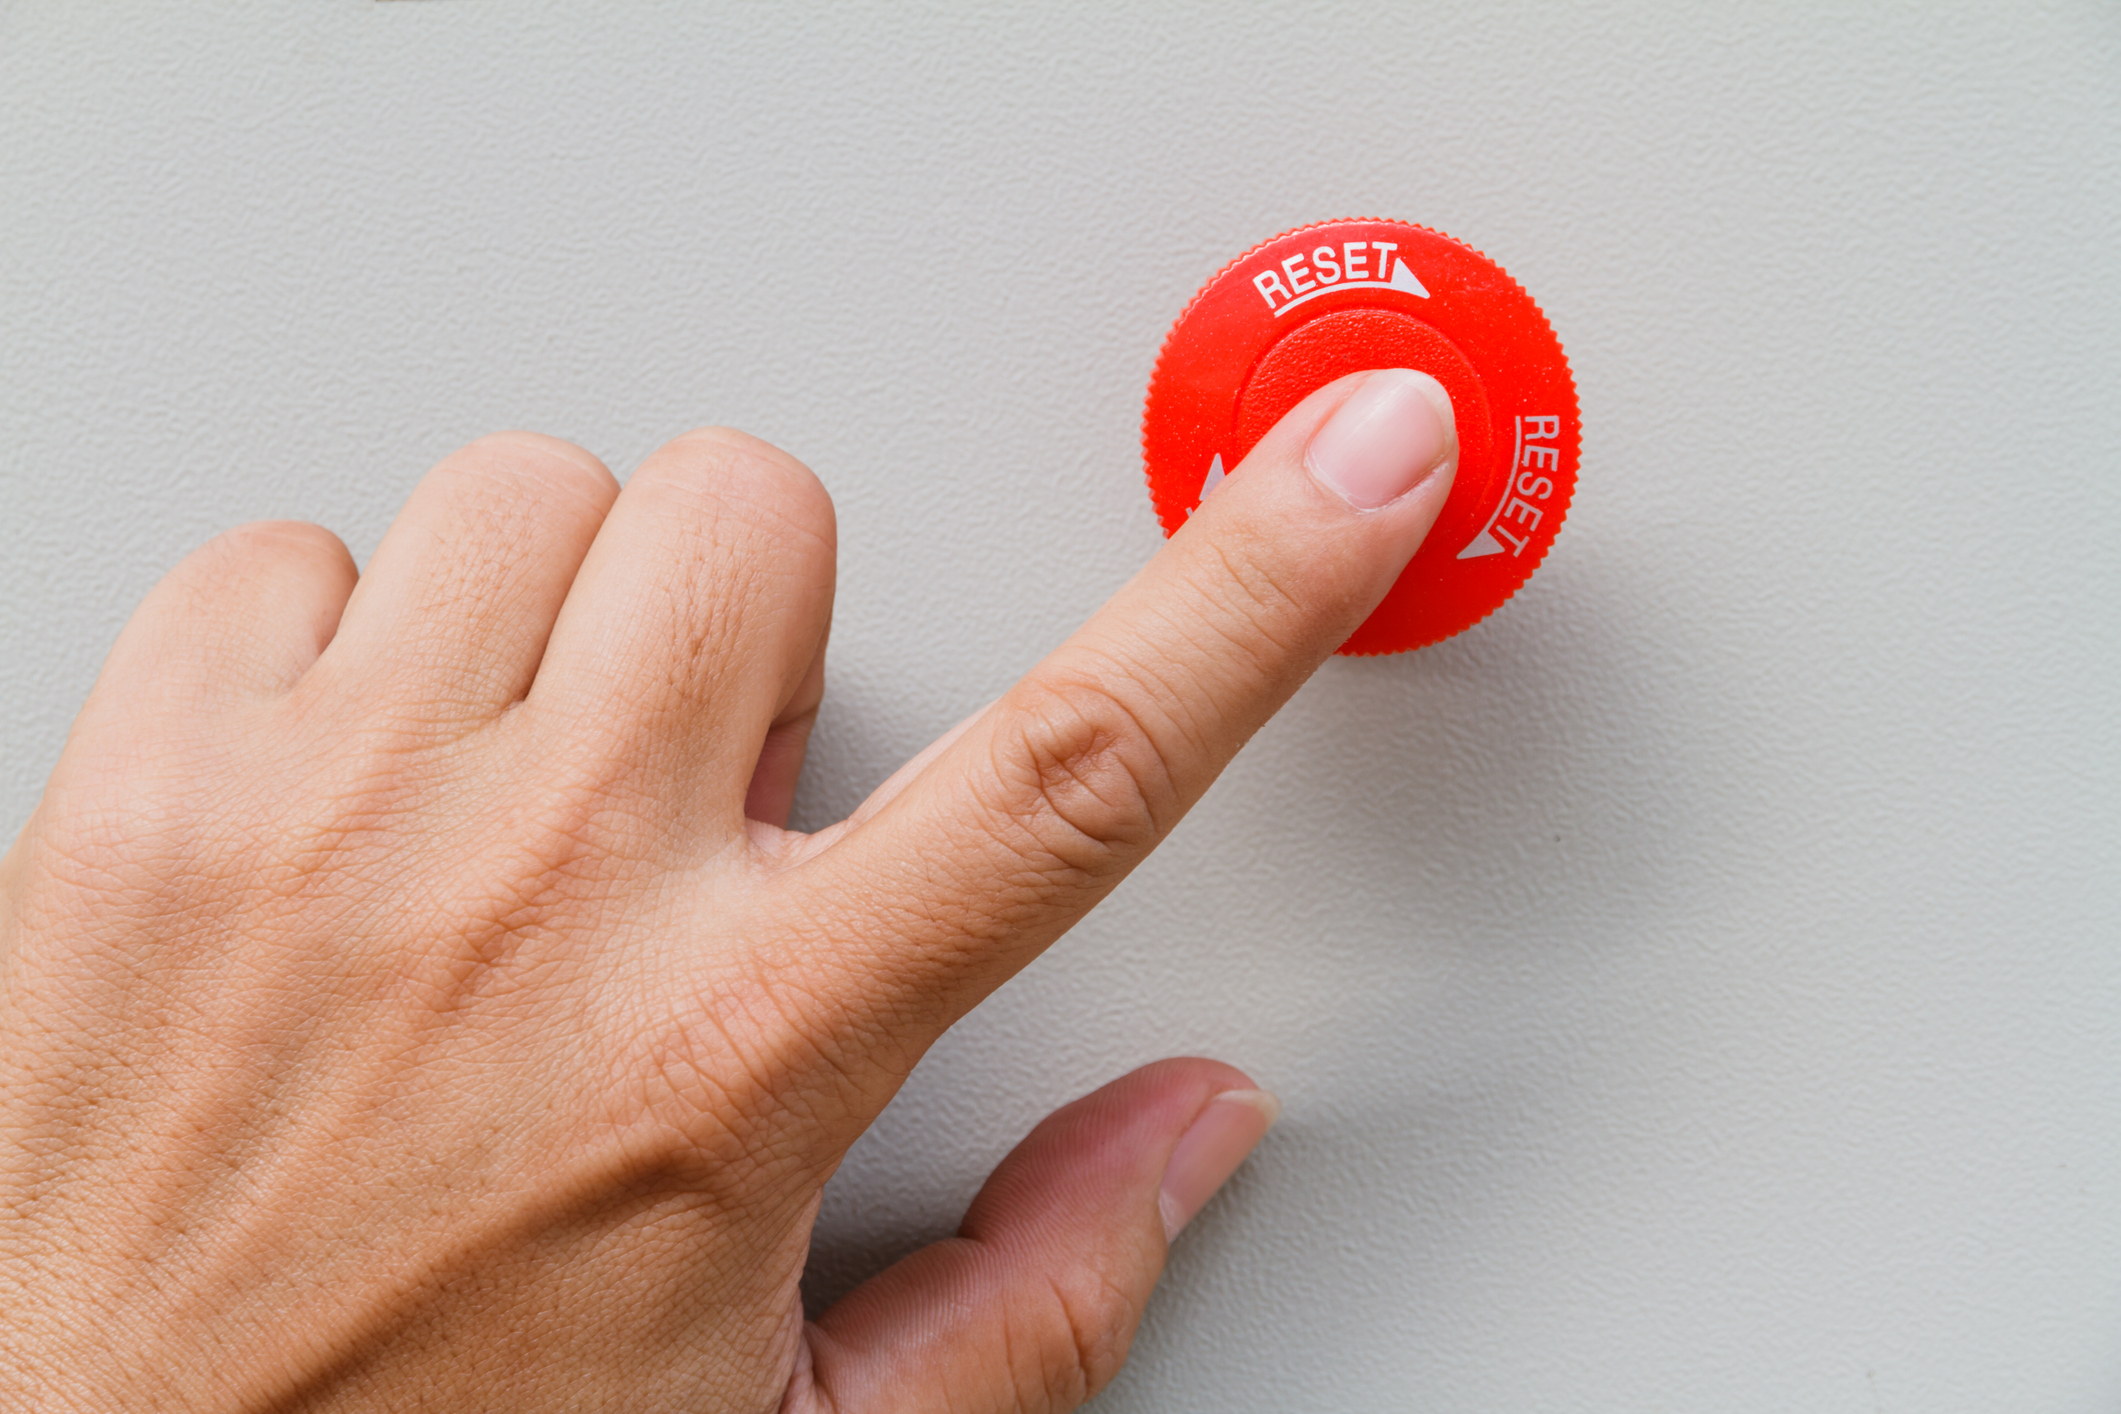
x=411, y=998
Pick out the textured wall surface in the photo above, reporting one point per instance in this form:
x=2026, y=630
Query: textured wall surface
x=1697, y=988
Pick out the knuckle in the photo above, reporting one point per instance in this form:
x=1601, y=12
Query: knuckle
x=535, y=454
x=249, y=549
x=1083, y=778
x=514, y=473
x=746, y=479
x=1089, y=1334
x=249, y=564
x=279, y=537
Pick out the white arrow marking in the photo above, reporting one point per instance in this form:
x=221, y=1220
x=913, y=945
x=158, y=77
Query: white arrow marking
x=1403, y=279
x=1483, y=544
x=1214, y=479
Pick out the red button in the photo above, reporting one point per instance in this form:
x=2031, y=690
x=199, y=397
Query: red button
x=1319, y=302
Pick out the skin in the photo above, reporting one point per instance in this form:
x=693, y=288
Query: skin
x=411, y=998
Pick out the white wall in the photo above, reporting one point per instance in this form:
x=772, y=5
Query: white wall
x=1697, y=988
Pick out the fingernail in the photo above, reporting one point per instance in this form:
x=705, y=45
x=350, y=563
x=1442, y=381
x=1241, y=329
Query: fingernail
x=1386, y=439
x=1209, y=1152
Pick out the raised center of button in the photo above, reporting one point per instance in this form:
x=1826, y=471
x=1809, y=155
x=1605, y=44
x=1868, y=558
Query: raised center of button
x=1346, y=341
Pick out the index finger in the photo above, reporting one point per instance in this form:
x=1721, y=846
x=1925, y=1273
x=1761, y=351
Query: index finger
x=1047, y=800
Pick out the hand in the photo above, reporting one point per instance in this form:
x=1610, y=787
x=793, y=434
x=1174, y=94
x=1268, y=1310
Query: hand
x=412, y=1000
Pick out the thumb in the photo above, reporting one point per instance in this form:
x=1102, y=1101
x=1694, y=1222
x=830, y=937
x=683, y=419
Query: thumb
x=1032, y=1306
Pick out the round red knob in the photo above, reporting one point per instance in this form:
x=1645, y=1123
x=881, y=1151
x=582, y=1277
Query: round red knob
x=1313, y=304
